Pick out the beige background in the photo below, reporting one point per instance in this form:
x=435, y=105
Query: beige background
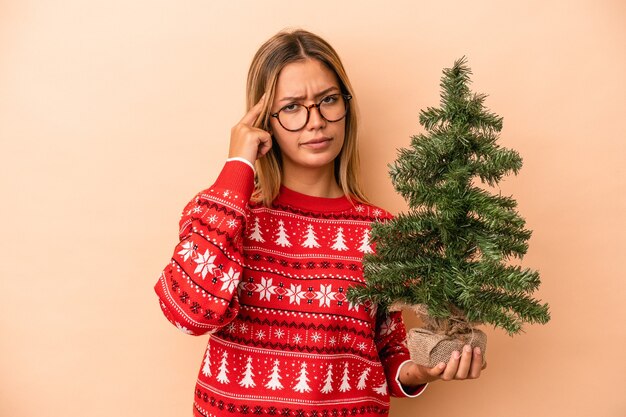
x=114, y=113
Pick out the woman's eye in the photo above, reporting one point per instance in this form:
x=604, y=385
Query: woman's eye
x=290, y=108
x=330, y=99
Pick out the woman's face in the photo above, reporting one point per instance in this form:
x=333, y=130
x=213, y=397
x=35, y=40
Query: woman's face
x=319, y=142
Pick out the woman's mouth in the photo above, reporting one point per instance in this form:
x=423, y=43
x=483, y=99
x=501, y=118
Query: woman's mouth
x=317, y=143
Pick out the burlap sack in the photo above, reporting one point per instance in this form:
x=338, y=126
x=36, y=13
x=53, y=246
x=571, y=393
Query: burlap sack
x=429, y=349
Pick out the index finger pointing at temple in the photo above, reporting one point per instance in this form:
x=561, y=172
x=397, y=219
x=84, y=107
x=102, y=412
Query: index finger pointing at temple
x=250, y=117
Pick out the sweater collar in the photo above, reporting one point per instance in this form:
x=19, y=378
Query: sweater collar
x=288, y=197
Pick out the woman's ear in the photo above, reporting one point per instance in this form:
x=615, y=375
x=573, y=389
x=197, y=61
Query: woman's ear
x=269, y=127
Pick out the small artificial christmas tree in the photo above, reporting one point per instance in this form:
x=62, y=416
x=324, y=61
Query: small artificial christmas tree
x=447, y=257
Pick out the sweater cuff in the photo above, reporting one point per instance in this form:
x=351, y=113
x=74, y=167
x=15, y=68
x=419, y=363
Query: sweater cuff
x=406, y=391
x=244, y=160
x=236, y=176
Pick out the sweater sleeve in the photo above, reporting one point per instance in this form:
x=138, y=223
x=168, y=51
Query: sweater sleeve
x=198, y=288
x=392, y=350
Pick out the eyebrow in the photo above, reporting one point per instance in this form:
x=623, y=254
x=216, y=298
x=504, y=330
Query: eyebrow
x=321, y=93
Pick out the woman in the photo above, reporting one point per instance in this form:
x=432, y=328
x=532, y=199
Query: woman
x=264, y=266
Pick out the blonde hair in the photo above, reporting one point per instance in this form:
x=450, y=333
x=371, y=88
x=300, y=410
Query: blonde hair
x=283, y=48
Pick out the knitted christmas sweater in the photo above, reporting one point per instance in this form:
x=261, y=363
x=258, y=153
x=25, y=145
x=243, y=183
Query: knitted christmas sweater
x=269, y=285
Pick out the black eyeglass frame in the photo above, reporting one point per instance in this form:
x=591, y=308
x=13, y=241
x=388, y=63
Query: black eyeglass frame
x=347, y=98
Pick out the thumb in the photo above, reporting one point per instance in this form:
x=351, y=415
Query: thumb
x=437, y=370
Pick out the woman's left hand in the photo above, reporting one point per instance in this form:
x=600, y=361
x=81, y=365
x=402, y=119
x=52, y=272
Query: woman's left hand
x=467, y=364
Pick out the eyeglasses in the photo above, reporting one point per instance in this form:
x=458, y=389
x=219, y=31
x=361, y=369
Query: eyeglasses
x=295, y=116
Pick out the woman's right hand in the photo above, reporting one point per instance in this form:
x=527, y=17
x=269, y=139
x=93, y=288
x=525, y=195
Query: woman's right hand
x=249, y=142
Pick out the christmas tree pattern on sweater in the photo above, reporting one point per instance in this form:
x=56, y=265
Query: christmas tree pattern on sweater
x=269, y=285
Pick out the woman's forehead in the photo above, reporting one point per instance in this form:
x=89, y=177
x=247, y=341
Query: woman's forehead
x=306, y=78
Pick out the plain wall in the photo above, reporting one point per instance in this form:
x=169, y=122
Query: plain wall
x=114, y=113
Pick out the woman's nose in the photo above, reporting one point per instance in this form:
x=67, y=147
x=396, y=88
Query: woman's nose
x=316, y=120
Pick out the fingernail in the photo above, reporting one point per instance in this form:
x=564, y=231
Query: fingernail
x=441, y=365
x=477, y=350
x=467, y=348
x=456, y=354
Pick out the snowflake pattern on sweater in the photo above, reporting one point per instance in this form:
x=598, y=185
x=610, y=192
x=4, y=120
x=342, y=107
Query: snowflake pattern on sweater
x=269, y=285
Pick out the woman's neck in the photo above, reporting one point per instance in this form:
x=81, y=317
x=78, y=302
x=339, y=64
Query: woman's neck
x=317, y=182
